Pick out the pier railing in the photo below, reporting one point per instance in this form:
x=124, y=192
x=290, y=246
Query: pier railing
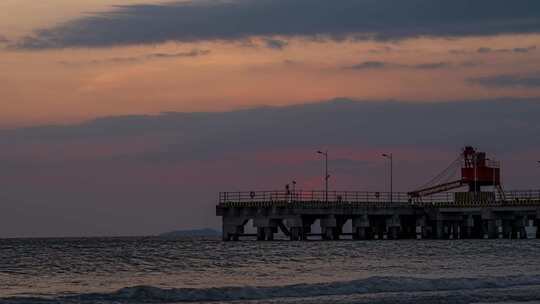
x=356, y=197
x=321, y=196
x=517, y=195
x=306, y=196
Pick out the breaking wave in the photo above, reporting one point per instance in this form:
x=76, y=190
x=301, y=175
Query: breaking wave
x=372, y=285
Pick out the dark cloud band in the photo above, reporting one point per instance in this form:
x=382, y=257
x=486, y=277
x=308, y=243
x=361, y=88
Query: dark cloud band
x=379, y=65
x=141, y=58
x=508, y=81
x=354, y=123
x=239, y=19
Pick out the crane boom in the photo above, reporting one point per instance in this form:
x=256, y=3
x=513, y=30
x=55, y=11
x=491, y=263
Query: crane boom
x=437, y=189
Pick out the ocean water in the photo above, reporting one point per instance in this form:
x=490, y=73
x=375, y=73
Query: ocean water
x=206, y=270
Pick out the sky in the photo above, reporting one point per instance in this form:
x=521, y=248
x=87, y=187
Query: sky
x=122, y=117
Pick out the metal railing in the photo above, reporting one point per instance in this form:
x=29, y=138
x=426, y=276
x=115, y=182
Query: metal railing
x=310, y=196
x=320, y=196
x=359, y=197
x=520, y=195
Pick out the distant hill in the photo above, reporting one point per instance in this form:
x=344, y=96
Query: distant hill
x=193, y=232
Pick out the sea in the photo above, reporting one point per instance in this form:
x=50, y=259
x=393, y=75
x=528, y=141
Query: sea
x=207, y=270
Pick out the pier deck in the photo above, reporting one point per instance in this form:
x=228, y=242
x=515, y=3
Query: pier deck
x=380, y=215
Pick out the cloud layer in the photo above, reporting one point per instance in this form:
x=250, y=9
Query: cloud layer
x=508, y=81
x=141, y=58
x=353, y=123
x=377, y=65
x=240, y=19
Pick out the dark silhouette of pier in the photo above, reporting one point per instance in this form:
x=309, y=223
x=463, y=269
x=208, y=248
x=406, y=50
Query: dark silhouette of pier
x=432, y=211
x=442, y=216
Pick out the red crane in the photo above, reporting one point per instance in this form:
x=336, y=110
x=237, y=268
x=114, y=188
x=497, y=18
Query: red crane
x=476, y=173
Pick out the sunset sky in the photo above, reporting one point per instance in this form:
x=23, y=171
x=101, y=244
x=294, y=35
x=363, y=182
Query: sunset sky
x=165, y=103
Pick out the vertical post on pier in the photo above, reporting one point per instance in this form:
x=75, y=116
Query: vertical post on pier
x=420, y=226
x=494, y=180
x=469, y=225
x=326, y=175
x=500, y=228
x=475, y=176
x=390, y=157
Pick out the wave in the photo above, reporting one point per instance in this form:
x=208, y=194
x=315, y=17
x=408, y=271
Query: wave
x=150, y=294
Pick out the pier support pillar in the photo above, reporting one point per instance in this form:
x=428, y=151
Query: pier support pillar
x=469, y=226
x=537, y=221
x=509, y=229
x=266, y=228
x=489, y=229
x=360, y=227
x=361, y=233
x=488, y=224
x=261, y=236
x=454, y=230
x=265, y=233
x=269, y=233
x=520, y=224
x=296, y=234
x=419, y=232
x=394, y=232
x=329, y=228
x=530, y=229
x=450, y=231
x=232, y=228
x=327, y=233
x=521, y=233
x=296, y=227
x=393, y=225
x=420, y=227
x=500, y=228
x=439, y=230
x=538, y=229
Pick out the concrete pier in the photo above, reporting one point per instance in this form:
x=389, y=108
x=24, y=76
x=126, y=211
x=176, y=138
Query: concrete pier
x=517, y=218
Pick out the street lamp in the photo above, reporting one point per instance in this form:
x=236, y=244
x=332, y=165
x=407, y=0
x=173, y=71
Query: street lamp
x=475, y=174
x=294, y=189
x=326, y=175
x=391, y=158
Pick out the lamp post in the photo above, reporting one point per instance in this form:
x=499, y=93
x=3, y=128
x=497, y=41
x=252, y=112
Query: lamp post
x=391, y=158
x=494, y=179
x=294, y=189
x=326, y=175
x=475, y=177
